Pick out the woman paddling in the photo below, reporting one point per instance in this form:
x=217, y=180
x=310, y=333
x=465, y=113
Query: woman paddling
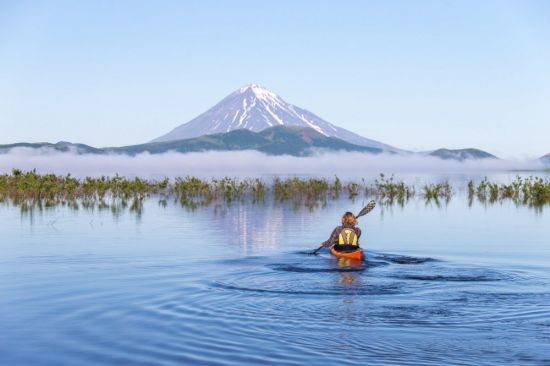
x=345, y=238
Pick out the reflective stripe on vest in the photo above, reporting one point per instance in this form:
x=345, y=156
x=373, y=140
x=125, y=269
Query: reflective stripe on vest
x=347, y=236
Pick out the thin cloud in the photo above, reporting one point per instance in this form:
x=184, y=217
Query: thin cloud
x=244, y=163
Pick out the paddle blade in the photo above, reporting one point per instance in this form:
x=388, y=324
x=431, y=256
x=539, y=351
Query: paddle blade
x=368, y=208
x=315, y=251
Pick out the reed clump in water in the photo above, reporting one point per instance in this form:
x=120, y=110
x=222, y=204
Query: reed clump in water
x=532, y=191
x=437, y=191
x=308, y=189
x=30, y=189
x=193, y=192
x=308, y=192
x=390, y=191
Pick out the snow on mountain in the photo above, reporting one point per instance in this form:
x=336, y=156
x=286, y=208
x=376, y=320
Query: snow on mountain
x=255, y=108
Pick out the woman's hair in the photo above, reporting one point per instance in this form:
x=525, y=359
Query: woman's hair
x=349, y=219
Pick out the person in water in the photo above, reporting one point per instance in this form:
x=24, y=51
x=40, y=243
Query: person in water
x=345, y=238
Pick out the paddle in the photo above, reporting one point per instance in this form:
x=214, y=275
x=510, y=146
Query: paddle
x=368, y=208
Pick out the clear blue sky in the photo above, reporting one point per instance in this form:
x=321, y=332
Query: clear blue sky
x=414, y=74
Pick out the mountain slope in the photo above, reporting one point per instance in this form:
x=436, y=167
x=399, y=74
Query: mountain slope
x=61, y=146
x=461, y=154
x=255, y=108
x=278, y=140
x=545, y=159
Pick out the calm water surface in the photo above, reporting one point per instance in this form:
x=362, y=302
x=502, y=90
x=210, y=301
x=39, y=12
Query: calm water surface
x=232, y=286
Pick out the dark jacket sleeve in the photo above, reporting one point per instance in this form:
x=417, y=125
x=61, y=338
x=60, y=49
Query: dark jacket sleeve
x=333, y=238
x=358, y=232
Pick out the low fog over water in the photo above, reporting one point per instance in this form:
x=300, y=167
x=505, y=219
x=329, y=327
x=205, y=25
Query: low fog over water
x=247, y=163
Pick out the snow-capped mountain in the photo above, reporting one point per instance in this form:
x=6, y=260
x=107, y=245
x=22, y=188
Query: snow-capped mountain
x=255, y=108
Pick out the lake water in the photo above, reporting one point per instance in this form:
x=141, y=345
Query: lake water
x=232, y=285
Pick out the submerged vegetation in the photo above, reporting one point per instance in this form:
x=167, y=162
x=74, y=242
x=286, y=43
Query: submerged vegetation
x=30, y=190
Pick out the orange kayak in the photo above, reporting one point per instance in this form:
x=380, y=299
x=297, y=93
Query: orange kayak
x=358, y=254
